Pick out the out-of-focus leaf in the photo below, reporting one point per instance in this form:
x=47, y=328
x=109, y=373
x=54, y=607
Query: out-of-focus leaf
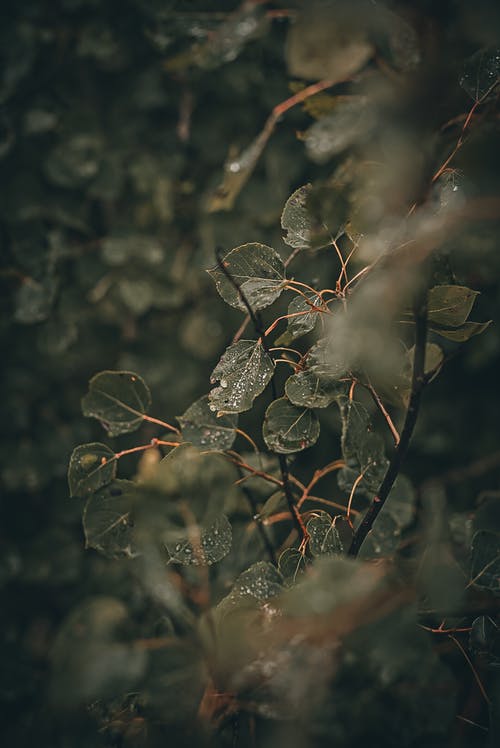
x=201, y=426
x=349, y=124
x=89, y=662
x=75, y=161
x=243, y=371
x=296, y=220
x=308, y=390
x=257, y=269
x=34, y=301
x=107, y=520
x=324, y=539
x=91, y=466
x=274, y=502
x=463, y=333
x=485, y=560
x=211, y=545
x=289, y=429
x=329, y=41
x=291, y=564
x=305, y=320
x=450, y=305
x=481, y=72
x=119, y=399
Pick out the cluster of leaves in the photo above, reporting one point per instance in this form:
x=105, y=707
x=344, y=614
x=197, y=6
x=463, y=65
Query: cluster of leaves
x=242, y=610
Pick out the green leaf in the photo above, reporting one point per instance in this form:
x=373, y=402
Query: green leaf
x=485, y=561
x=119, y=399
x=450, y=305
x=481, y=72
x=296, y=220
x=91, y=466
x=324, y=360
x=201, y=426
x=306, y=319
x=291, y=564
x=243, y=372
x=484, y=639
x=212, y=545
x=107, y=522
x=463, y=333
x=289, y=429
x=307, y=389
x=383, y=538
x=324, y=539
x=273, y=503
x=261, y=581
x=362, y=449
x=257, y=269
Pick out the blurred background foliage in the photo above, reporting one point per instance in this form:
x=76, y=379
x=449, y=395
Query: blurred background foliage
x=116, y=119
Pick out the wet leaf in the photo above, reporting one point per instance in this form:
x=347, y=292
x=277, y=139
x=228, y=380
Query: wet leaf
x=257, y=269
x=463, y=333
x=119, y=399
x=324, y=360
x=107, y=521
x=243, y=371
x=450, y=305
x=291, y=564
x=91, y=467
x=324, y=539
x=203, y=428
x=307, y=389
x=211, y=545
x=481, y=72
x=289, y=429
x=296, y=220
x=485, y=561
x=383, y=538
x=303, y=322
x=261, y=581
x=362, y=449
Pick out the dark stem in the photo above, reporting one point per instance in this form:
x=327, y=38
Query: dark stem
x=260, y=330
x=417, y=384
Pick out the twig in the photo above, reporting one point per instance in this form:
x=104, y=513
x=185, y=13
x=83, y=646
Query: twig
x=380, y=405
x=257, y=519
x=259, y=329
x=417, y=384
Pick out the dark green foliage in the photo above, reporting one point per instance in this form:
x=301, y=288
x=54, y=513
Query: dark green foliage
x=204, y=585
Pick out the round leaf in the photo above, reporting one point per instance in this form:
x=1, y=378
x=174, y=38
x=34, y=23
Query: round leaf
x=212, y=545
x=257, y=269
x=107, y=520
x=119, y=399
x=91, y=466
x=307, y=389
x=289, y=429
x=296, y=220
x=324, y=538
x=243, y=371
x=203, y=428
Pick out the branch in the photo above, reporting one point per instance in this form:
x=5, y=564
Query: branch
x=259, y=329
x=417, y=385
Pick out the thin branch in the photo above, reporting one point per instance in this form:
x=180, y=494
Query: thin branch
x=258, y=521
x=380, y=405
x=417, y=384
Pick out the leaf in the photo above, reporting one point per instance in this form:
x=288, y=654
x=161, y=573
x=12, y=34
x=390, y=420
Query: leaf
x=291, y=564
x=212, y=545
x=243, y=371
x=107, y=522
x=296, y=220
x=257, y=269
x=324, y=539
x=349, y=124
x=481, y=71
x=289, y=429
x=362, y=449
x=307, y=389
x=383, y=538
x=464, y=332
x=324, y=360
x=484, y=639
x=119, y=399
x=33, y=301
x=261, y=581
x=401, y=502
x=273, y=503
x=305, y=320
x=485, y=560
x=450, y=305
x=91, y=466
x=203, y=428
